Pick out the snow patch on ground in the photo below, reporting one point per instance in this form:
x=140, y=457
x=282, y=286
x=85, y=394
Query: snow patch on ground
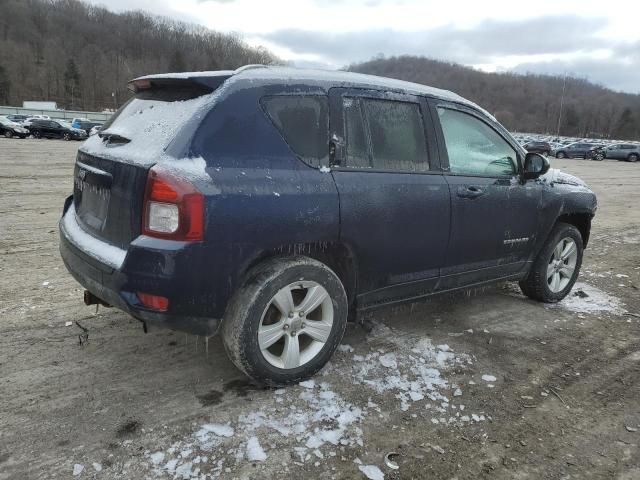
x=314, y=420
x=371, y=472
x=255, y=451
x=584, y=298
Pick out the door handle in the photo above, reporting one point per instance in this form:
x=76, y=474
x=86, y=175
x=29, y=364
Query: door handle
x=470, y=191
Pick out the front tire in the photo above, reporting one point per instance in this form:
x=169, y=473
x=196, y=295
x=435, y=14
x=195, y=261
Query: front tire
x=556, y=268
x=67, y=137
x=561, y=155
x=285, y=321
x=36, y=134
x=8, y=134
x=633, y=157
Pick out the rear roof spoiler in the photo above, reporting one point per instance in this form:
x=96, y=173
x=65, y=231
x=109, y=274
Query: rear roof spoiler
x=210, y=80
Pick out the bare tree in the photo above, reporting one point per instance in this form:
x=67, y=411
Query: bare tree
x=81, y=55
x=526, y=103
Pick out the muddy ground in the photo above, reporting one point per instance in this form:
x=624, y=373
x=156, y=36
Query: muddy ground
x=564, y=404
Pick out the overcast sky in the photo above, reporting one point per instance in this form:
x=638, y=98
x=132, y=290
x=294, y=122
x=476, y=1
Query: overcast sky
x=599, y=40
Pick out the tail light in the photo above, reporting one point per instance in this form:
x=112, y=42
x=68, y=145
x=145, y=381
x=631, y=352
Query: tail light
x=173, y=207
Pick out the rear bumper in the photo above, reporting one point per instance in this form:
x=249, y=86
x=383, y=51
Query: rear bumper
x=115, y=275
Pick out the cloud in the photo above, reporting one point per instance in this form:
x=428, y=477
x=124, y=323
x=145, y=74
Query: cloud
x=614, y=72
x=547, y=45
x=489, y=39
x=152, y=7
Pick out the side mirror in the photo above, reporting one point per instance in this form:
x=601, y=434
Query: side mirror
x=535, y=165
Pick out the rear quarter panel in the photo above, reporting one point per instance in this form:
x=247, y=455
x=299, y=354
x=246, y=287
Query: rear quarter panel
x=260, y=197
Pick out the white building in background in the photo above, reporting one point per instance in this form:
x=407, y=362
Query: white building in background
x=40, y=105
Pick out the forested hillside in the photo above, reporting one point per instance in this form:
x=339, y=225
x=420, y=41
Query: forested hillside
x=78, y=55
x=81, y=57
x=525, y=103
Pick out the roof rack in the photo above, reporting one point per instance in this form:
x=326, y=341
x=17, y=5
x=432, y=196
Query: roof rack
x=249, y=67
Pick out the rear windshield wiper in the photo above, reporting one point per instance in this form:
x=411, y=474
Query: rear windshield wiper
x=113, y=138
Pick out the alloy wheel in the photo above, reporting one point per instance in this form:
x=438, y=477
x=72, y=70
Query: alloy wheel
x=562, y=264
x=295, y=325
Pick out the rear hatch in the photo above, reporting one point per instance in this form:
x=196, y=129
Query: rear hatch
x=111, y=167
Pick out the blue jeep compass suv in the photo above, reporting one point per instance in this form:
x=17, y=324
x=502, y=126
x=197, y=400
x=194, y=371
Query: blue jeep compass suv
x=268, y=203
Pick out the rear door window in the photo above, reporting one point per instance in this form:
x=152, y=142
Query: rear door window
x=384, y=135
x=303, y=122
x=397, y=135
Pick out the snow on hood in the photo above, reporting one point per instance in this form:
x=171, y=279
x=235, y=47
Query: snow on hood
x=555, y=175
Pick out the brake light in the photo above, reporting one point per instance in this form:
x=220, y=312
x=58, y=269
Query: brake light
x=173, y=207
x=154, y=302
x=138, y=85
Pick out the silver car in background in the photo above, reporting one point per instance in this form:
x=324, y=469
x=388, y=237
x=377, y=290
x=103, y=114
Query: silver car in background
x=624, y=151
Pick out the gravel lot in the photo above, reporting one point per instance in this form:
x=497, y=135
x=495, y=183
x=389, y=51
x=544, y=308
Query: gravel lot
x=485, y=385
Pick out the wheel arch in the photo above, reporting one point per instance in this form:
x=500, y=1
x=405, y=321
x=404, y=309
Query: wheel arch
x=582, y=221
x=338, y=256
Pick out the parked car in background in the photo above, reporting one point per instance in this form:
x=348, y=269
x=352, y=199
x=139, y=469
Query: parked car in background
x=181, y=219
x=27, y=122
x=624, y=151
x=75, y=122
x=586, y=150
x=55, y=129
x=10, y=129
x=16, y=118
x=95, y=130
x=543, y=148
x=86, y=125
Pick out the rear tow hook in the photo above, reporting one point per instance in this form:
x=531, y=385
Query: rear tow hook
x=91, y=299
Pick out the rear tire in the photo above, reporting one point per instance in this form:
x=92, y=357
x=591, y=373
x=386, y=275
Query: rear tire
x=8, y=134
x=266, y=332
x=67, y=136
x=561, y=155
x=556, y=268
x=633, y=157
x=36, y=134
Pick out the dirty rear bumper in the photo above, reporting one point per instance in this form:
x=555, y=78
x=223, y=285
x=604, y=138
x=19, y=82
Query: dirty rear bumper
x=141, y=271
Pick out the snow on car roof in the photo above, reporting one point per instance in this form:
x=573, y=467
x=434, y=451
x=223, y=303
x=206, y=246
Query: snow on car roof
x=288, y=74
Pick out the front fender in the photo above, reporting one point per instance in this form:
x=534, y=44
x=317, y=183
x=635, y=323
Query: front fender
x=564, y=198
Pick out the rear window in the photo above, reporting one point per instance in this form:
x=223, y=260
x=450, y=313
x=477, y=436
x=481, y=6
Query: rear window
x=397, y=135
x=142, y=129
x=395, y=140
x=303, y=122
